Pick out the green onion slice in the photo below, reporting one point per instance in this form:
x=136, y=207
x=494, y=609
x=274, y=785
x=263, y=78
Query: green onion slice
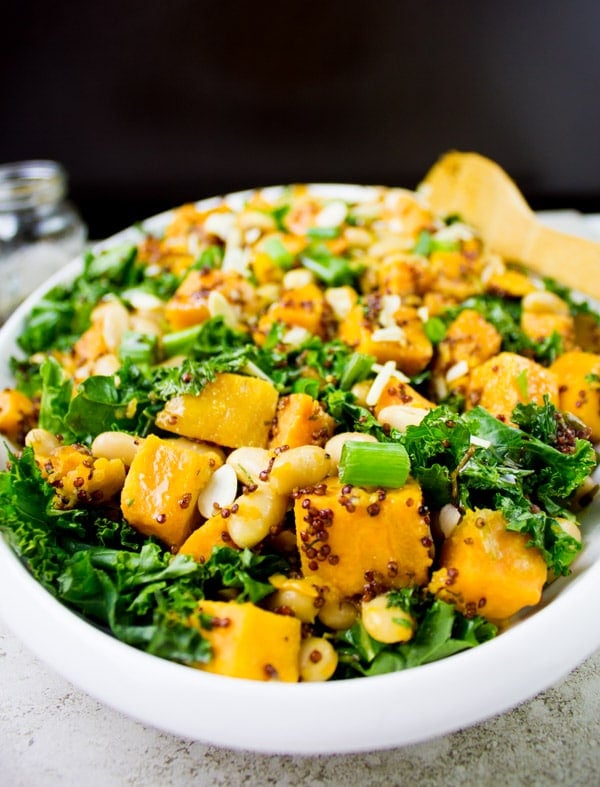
x=374, y=464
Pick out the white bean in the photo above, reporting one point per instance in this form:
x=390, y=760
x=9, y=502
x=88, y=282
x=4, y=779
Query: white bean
x=115, y=321
x=106, y=364
x=361, y=391
x=304, y=465
x=42, y=441
x=249, y=462
x=318, y=659
x=570, y=528
x=116, y=445
x=297, y=595
x=400, y=415
x=358, y=237
x=544, y=302
x=341, y=300
x=299, y=277
x=256, y=219
x=254, y=515
x=145, y=324
x=385, y=623
x=338, y=614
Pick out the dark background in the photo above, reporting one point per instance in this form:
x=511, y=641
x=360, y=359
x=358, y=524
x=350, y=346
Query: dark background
x=150, y=104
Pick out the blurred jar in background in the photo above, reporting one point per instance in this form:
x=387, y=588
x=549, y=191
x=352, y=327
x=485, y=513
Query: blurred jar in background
x=40, y=230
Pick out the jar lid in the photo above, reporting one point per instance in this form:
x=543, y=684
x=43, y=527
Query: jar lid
x=30, y=184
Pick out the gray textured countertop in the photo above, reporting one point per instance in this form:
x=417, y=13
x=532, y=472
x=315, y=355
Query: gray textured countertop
x=52, y=734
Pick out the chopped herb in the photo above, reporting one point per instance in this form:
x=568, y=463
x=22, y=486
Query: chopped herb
x=374, y=464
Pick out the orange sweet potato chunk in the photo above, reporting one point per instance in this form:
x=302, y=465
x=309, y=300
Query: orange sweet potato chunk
x=456, y=273
x=233, y=410
x=17, y=414
x=301, y=307
x=351, y=539
x=488, y=569
x=160, y=494
x=411, y=350
x=509, y=283
x=213, y=533
x=503, y=381
x=249, y=642
x=579, y=389
x=470, y=338
x=189, y=305
x=399, y=392
x=300, y=420
x=403, y=275
x=540, y=325
x=79, y=478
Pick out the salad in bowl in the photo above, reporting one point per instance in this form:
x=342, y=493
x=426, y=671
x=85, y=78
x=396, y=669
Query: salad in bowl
x=301, y=434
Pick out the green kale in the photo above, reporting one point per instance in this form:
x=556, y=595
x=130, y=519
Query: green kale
x=440, y=631
x=63, y=314
x=97, y=565
x=529, y=473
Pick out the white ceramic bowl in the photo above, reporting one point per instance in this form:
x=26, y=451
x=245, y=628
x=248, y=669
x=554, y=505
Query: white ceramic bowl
x=344, y=716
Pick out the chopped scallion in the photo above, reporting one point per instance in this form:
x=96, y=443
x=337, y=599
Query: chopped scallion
x=427, y=243
x=138, y=348
x=275, y=249
x=306, y=385
x=331, y=270
x=374, y=464
x=435, y=329
x=357, y=368
x=323, y=233
x=180, y=342
x=211, y=257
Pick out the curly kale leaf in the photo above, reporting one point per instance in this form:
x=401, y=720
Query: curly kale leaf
x=440, y=631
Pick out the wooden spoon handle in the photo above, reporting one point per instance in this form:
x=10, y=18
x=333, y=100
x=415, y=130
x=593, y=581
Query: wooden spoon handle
x=570, y=260
x=486, y=198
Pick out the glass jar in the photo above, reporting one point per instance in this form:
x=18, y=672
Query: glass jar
x=40, y=230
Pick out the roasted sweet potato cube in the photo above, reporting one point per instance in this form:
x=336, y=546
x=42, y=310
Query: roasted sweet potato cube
x=404, y=342
x=213, y=533
x=190, y=304
x=161, y=489
x=399, y=392
x=509, y=283
x=300, y=420
x=579, y=387
x=249, y=642
x=17, y=414
x=457, y=272
x=503, y=381
x=233, y=410
x=486, y=569
x=301, y=307
x=81, y=479
x=351, y=538
x=403, y=275
x=470, y=339
x=91, y=344
x=540, y=325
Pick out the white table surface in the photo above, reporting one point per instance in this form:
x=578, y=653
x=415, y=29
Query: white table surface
x=52, y=734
